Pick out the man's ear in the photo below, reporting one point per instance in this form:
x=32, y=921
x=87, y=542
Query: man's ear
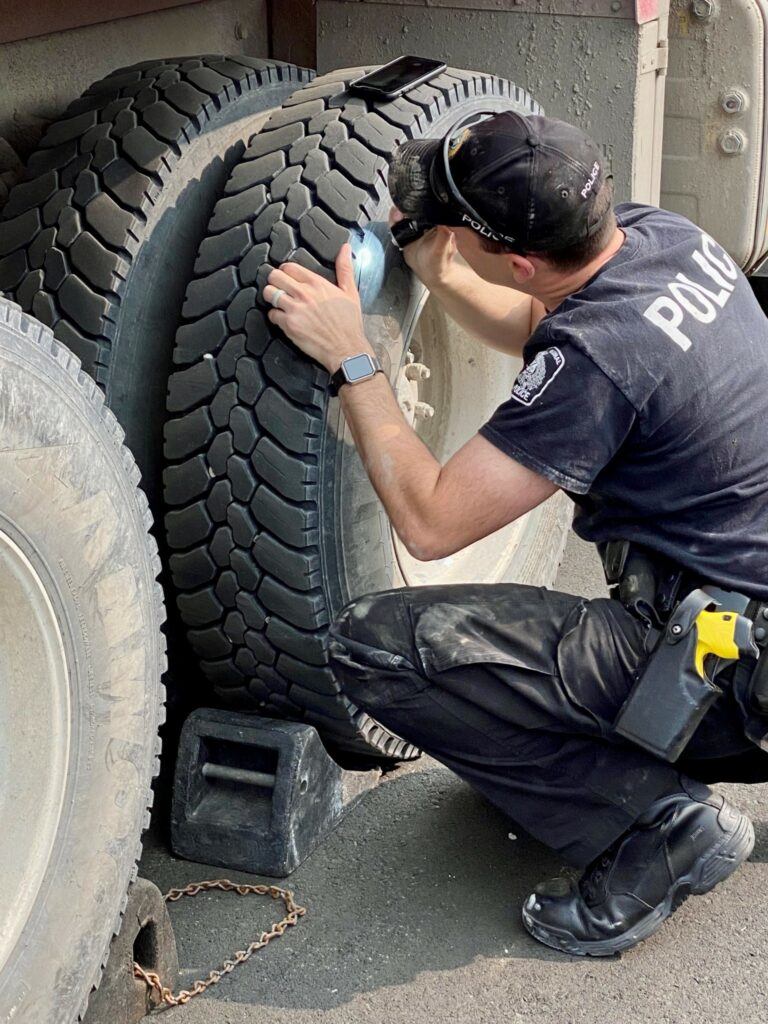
x=523, y=268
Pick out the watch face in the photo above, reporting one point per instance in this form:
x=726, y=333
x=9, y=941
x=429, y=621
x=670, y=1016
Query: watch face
x=358, y=368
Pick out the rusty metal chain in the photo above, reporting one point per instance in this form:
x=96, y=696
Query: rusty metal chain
x=293, y=913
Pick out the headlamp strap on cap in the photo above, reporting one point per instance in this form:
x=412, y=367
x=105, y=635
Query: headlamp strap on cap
x=451, y=146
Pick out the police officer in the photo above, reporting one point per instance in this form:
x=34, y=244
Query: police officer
x=644, y=396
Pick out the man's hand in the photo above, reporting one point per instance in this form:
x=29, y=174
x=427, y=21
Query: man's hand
x=431, y=256
x=324, y=320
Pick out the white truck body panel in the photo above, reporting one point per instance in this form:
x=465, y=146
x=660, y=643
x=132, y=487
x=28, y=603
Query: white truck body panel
x=715, y=139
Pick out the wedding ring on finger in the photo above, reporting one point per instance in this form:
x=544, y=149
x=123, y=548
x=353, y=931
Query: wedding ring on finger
x=276, y=295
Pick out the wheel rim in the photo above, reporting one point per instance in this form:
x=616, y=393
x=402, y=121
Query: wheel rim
x=447, y=386
x=34, y=736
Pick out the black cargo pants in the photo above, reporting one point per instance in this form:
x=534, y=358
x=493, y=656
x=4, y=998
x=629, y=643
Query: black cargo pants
x=516, y=689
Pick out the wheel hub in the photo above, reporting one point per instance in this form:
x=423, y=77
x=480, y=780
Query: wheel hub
x=34, y=735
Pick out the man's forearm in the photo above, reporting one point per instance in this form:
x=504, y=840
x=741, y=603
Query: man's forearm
x=403, y=471
x=436, y=510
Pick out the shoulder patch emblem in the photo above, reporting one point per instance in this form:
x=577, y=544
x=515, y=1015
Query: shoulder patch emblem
x=534, y=379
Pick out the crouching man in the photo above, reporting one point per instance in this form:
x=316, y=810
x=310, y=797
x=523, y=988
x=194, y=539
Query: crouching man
x=644, y=395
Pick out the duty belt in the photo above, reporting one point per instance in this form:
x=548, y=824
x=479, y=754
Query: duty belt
x=699, y=631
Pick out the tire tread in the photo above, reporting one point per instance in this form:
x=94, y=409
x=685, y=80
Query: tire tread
x=96, y=176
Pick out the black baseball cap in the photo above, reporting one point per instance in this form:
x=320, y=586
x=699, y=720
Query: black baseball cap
x=530, y=182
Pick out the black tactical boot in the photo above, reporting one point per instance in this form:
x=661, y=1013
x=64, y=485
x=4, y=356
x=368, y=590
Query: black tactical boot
x=684, y=844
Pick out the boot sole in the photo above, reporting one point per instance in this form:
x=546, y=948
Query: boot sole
x=706, y=873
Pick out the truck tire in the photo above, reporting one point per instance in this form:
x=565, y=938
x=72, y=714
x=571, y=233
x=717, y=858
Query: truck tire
x=273, y=524
x=82, y=656
x=99, y=243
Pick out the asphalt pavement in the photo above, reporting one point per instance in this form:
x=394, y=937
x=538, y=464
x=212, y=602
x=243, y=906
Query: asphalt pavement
x=413, y=915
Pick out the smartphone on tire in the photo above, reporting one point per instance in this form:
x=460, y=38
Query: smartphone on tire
x=399, y=76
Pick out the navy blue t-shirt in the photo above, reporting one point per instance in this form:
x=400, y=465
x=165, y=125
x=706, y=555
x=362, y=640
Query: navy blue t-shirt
x=645, y=396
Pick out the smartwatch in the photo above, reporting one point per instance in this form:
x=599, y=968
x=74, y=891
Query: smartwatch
x=353, y=370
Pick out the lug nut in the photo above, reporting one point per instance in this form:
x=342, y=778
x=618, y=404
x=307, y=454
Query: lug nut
x=733, y=142
x=417, y=371
x=733, y=101
x=702, y=8
x=423, y=411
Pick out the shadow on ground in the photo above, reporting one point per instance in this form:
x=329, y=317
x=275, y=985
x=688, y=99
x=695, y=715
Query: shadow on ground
x=424, y=856
x=421, y=878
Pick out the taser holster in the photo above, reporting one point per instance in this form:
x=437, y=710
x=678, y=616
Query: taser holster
x=676, y=687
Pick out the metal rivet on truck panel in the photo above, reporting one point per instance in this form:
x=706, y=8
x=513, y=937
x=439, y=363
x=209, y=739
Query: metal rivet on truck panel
x=732, y=141
x=702, y=8
x=733, y=101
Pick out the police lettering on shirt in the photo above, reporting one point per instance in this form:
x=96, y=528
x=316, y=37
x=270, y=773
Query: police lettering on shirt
x=695, y=296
